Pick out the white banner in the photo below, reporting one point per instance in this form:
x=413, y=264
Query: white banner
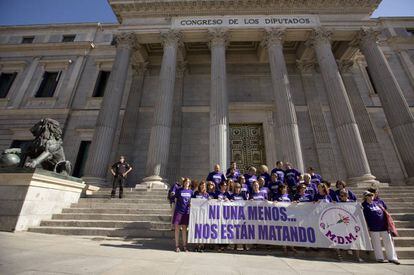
x=329, y=225
x=246, y=21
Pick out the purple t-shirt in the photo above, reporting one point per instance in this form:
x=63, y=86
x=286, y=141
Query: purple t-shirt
x=291, y=177
x=222, y=196
x=238, y=197
x=172, y=191
x=280, y=174
x=235, y=176
x=374, y=216
x=282, y=198
x=311, y=189
x=198, y=195
x=324, y=198
x=266, y=176
x=216, y=177
x=351, y=195
x=183, y=197
x=249, y=180
x=260, y=196
x=303, y=198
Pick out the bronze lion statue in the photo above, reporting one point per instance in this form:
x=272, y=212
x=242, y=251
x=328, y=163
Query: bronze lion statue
x=45, y=150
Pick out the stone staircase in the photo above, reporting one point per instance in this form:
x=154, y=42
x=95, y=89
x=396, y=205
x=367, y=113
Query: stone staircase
x=140, y=214
x=146, y=214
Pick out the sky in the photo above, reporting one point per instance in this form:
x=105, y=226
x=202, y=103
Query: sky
x=26, y=12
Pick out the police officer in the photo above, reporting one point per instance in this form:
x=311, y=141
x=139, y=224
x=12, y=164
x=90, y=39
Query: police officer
x=119, y=170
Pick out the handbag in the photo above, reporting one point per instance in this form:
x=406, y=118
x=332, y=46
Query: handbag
x=391, y=228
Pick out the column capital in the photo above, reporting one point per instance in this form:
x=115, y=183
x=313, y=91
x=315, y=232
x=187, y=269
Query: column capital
x=140, y=67
x=126, y=40
x=365, y=34
x=305, y=66
x=345, y=66
x=171, y=37
x=319, y=35
x=273, y=36
x=218, y=37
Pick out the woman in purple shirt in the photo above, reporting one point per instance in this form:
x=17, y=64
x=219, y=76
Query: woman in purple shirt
x=256, y=195
x=182, y=213
x=377, y=226
x=201, y=192
x=211, y=189
x=301, y=195
x=282, y=194
x=222, y=194
x=238, y=195
x=250, y=177
x=323, y=194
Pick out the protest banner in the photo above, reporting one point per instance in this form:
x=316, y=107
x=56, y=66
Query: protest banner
x=325, y=225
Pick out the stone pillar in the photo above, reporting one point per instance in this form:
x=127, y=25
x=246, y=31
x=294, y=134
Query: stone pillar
x=128, y=135
x=159, y=146
x=285, y=108
x=107, y=122
x=347, y=131
x=407, y=64
x=397, y=112
x=219, y=124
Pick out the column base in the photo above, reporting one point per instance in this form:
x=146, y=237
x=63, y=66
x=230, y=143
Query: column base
x=410, y=181
x=96, y=181
x=152, y=183
x=366, y=181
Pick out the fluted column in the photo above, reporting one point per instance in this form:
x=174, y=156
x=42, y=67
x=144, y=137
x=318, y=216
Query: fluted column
x=107, y=121
x=219, y=123
x=347, y=131
x=285, y=108
x=159, y=145
x=397, y=112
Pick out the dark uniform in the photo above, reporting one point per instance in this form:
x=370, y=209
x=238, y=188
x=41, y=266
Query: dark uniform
x=119, y=169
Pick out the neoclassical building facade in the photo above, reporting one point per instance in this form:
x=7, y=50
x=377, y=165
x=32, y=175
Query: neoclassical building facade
x=178, y=86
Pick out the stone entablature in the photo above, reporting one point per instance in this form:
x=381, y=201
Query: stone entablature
x=143, y=8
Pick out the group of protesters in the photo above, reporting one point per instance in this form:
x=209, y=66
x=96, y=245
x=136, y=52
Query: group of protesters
x=284, y=183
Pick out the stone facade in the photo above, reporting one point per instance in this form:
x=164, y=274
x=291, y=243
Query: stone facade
x=308, y=86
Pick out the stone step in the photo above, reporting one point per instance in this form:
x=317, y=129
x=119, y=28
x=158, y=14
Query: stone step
x=99, y=231
x=129, y=196
x=124, y=200
x=113, y=217
x=114, y=210
x=403, y=216
x=401, y=209
x=106, y=224
x=404, y=241
x=110, y=204
x=405, y=252
x=406, y=232
x=397, y=199
x=404, y=224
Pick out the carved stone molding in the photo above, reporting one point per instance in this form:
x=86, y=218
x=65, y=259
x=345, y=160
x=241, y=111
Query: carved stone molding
x=305, y=66
x=273, y=36
x=171, y=37
x=365, y=34
x=319, y=35
x=345, y=66
x=140, y=67
x=181, y=70
x=126, y=40
x=218, y=37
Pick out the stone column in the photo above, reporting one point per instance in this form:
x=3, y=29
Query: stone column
x=97, y=165
x=285, y=108
x=128, y=134
x=397, y=112
x=347, y=131
x=159, y=146
x=407, y=64
x=219, y=124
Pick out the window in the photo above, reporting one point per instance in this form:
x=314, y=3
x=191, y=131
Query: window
x=100, y=84
x=49, y=83
x=68, y=38
x=81, y=159
x=6, y=81
x=371, y=80
x=27, y=40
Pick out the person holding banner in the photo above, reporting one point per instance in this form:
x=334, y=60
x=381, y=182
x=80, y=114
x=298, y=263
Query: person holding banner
x=211, y=189
x=323, y=194
x=282, y=194
x=222, y=193
x=238, y=195
x=301, y=195
x=216, y=176
x=273, y=185
x=256, y=195
x=182, y=213
x=201, y=192
x=377, y=226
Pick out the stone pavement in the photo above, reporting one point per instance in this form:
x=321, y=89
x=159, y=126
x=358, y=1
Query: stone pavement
x=31, y=253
